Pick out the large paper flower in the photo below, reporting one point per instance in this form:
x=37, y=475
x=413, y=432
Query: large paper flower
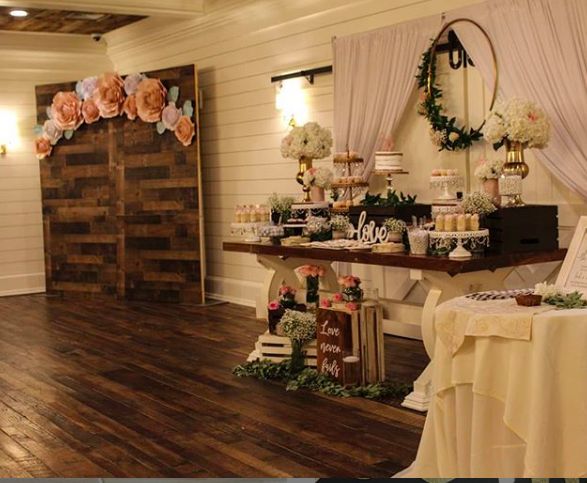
x=51, y=132
x=130, y=107
x=109, y=94
x=151, y=96
x=87, y=87
x=43, y=147
x=171, y=116
x=185, y=130
x=90, y=111
x=66, y=111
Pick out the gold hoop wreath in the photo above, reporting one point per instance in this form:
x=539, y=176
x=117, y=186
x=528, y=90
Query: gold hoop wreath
x=447, y=133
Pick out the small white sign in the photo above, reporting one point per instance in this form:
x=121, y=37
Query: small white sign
x=369, y=233
x=573, y=274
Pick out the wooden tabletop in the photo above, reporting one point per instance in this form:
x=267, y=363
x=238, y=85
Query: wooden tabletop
x=421, y=262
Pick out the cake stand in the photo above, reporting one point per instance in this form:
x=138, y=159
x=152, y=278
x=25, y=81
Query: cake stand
x=448, y=185
x=389, y=174
x=477, y=239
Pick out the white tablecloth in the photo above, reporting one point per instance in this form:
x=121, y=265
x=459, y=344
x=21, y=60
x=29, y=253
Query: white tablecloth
x=506, y=406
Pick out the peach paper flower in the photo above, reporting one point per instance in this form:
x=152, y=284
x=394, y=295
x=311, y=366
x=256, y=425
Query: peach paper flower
x=171, y=116
x=90, y=111
x=130, y=107
x=109, y=95
x=51, y=132
x=325, y=303
x=131, y=83
x=43, y=147
x=151, y=96
x=185, y=130
x=66, y=111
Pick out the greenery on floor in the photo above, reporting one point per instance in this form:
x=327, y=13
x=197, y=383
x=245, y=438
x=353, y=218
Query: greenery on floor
x=311, y=379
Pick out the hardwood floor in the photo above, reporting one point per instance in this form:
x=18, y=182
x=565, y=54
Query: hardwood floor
x=120, y=389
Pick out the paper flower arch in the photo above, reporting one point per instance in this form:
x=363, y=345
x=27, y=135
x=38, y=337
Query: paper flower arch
x=110, y=96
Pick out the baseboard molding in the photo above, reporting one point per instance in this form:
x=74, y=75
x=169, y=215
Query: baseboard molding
x=29, y=283
x=241, y=292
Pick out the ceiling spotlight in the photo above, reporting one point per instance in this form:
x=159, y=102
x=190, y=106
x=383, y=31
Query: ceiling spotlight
x=18, y=13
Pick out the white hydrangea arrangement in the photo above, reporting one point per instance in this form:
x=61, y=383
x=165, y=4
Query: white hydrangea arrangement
x=477, y=203
x=520, y=121
x=319, y=177
x=310, y=141
x=489, y=170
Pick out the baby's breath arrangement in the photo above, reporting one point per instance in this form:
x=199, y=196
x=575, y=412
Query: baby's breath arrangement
x=340, y=223
x=281, y=205
x=477, y=203
x=394, y=225
x=300, y=327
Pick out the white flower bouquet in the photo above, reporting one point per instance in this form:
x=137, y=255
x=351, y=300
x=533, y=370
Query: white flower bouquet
x=318, y=177
x=477, y=203
x=489, y=170
x=517, y=121
x=310, y=141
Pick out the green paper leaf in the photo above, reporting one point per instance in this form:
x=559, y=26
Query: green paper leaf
x=160, y=127
x=68, y=134
x=188, y=108
x=173, y=94
x=38, y=129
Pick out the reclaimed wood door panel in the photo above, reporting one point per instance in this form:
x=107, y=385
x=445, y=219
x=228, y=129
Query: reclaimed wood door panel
x=121, y=206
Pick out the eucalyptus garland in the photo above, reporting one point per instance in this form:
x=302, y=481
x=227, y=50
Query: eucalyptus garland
x=444, y=131
x=314, y=381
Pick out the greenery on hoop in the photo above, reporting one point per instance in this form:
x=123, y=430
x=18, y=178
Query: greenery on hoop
x=446, y=133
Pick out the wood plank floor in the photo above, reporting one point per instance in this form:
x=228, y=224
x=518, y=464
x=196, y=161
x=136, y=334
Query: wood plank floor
x=92, y=389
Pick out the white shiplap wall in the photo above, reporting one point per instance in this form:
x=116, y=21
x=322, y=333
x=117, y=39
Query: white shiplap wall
x=237, y=46
x=27, y=60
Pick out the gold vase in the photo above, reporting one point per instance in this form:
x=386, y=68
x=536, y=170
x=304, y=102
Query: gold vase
x=514, y=162
x=305, y=165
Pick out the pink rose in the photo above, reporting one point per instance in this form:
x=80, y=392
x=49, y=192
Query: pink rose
x=185, y=130
x=351, y=306
x=337, y=298
x=151, y=97
x=131, y=83
x=130, y=107
x=87, y=87
x=90, y=111
x=273, y=305
x=325, y=303
x=109, y=95
x=286, y=289
x=171, y=116
x=43, y=147
x=66, y=111
x=51, y=132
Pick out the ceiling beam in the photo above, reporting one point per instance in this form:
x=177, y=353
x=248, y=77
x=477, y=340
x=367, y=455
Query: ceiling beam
x=150, y=8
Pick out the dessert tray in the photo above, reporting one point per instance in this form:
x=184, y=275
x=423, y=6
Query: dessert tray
x=476, y=240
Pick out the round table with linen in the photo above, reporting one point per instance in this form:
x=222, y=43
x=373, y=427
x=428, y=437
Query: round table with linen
x=510, y=392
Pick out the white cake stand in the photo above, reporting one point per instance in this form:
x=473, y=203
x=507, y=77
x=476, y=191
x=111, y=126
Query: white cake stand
x=445, y=239
x=448, y=185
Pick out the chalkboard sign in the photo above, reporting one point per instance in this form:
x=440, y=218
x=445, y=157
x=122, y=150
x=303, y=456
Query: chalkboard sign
x=334, y=340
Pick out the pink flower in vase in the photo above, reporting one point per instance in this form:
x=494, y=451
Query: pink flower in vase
x=325, y=303
x=337, y=298
x=352, y=306
x=286, y=290
x=273, y=305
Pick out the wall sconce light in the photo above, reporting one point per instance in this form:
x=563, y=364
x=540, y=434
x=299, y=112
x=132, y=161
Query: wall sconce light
x=290, y=99
x=8, y=131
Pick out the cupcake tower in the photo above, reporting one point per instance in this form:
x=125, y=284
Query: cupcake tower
x=350, y=166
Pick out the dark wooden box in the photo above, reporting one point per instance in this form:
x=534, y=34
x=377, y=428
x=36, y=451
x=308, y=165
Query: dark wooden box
x=380, y=213
x=523, y=229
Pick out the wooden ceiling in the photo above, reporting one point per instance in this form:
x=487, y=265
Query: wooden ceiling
x=64, y=21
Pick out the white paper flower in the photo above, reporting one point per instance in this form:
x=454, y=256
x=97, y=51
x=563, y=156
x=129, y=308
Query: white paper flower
x=51, y=132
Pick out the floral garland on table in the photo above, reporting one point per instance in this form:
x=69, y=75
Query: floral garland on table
x=444, y=131
x=110, y=96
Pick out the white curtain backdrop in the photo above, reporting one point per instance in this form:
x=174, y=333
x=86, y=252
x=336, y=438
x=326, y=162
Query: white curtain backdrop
x=374, y=76
x=541, y=48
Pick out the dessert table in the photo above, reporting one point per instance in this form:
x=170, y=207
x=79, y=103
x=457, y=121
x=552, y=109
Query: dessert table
x=509, y=393
x=442, y=278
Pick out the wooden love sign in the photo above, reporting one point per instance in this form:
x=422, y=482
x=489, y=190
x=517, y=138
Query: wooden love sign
x=334, y=341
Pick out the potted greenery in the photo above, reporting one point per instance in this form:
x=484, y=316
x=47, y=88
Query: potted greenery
x=395, y=229
x=340, y=226
x=280, y=208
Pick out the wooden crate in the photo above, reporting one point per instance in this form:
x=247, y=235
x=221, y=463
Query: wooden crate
x=277, y=349
x=524, y=229
x=372, y=343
